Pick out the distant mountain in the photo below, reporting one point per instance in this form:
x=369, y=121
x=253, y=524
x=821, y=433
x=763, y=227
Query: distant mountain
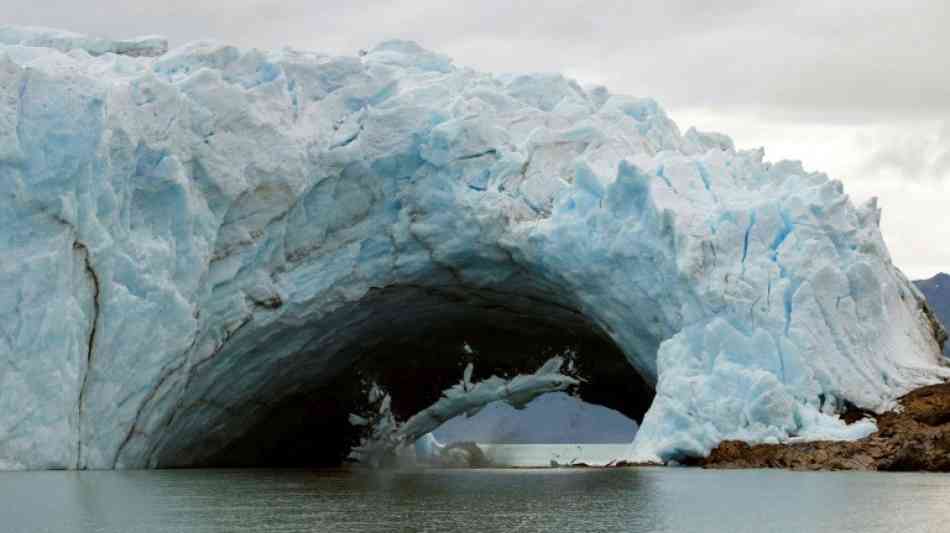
x=554, y=418
x=937, y=291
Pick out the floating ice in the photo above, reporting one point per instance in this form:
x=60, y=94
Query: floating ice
x=187, y=237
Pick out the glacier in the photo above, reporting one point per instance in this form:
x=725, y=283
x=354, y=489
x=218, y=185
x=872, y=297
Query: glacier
x=188, y=236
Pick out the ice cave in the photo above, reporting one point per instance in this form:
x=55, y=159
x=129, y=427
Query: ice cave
x=206, y=254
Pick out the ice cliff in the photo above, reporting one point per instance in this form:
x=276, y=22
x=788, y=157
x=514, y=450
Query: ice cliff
x=185, y=238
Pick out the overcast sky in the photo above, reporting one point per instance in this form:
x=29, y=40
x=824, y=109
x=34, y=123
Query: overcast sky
x=859, y=89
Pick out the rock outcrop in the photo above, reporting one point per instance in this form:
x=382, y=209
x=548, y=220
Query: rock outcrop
x=915, y=437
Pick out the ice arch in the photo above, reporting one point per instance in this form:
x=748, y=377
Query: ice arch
x=414, y=342
x=435, y=278
x=190, y=240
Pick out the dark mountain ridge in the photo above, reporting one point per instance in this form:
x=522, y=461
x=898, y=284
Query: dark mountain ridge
x=937, y=291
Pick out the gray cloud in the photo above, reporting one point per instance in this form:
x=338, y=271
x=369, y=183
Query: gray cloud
x=915, y=156
x=942, y=162
x=828, y=60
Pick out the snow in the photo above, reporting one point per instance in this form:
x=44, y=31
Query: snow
x=183, y=236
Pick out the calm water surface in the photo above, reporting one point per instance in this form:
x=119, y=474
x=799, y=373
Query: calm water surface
x=473, y=500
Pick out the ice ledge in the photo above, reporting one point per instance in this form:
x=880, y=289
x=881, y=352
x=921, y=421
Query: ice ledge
x=64, y=41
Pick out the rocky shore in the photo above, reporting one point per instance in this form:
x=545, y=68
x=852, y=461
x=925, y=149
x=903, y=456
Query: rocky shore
x=914, y=437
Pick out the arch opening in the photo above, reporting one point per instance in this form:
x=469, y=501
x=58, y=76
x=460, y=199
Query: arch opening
x=415, y=341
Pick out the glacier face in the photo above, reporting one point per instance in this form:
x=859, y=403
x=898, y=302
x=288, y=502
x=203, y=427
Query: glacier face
x=191, y=236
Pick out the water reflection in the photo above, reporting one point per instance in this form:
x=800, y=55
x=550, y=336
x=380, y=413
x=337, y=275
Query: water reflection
x=472, y=500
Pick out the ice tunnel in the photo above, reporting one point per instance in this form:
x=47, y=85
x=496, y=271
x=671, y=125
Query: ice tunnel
x=414, y=343
x=204, y=252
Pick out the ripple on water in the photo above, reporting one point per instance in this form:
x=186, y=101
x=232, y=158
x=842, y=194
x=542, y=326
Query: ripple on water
x=525, y=500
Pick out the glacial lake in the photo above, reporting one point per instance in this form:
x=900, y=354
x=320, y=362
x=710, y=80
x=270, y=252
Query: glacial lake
x=508, y=500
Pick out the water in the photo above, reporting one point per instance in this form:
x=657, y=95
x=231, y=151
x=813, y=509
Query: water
x=513, y=500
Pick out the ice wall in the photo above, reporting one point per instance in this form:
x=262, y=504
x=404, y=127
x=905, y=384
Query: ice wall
x=187, y=238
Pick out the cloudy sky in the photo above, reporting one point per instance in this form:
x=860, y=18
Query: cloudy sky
x=859, y=89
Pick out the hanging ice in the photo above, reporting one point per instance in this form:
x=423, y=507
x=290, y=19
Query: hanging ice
x=186, y=236
x=388, y=436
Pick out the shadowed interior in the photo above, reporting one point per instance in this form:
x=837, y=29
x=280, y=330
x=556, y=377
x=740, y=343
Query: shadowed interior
x=414, y=347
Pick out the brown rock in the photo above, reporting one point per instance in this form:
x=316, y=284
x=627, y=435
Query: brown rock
x=916, y=438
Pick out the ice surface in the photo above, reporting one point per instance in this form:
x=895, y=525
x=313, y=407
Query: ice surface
x=185, y=236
